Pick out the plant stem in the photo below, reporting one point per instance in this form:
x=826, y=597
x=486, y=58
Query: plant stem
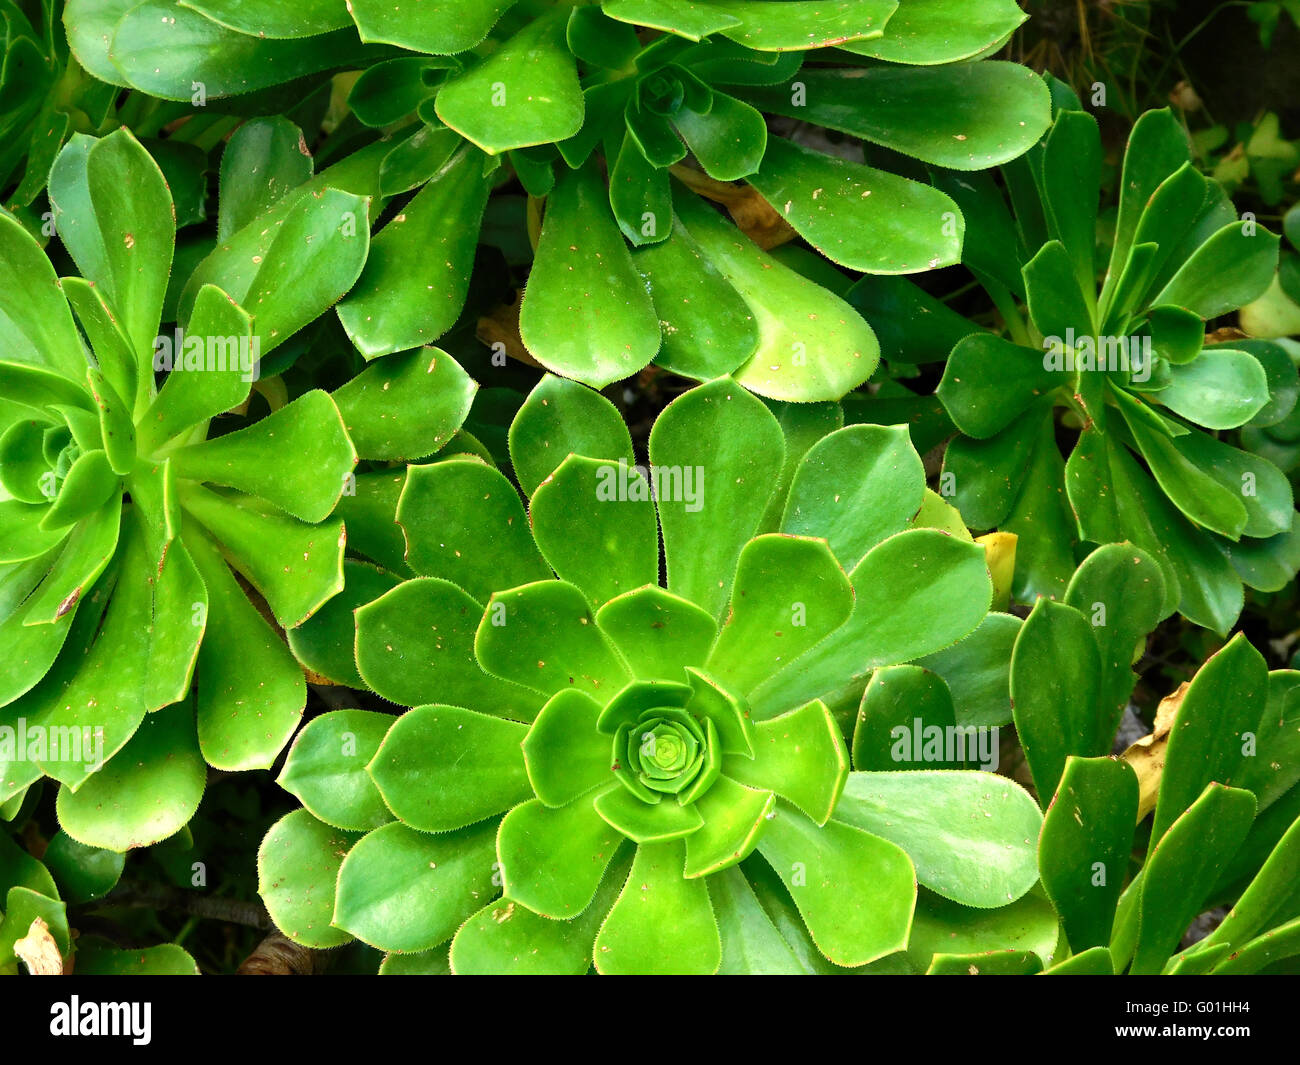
x=166, y=897
x=1006, y=306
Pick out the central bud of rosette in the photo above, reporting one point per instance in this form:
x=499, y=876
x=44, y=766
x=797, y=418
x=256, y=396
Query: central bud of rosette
x=665, y=760
x=666, y=751
x=669, y=739
x=661, y=760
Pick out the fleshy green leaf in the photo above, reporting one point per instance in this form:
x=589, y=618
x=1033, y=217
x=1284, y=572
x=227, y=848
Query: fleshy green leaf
x=290, y=265
x=251, y=691
x=88, y=486
x=946, y=928
x=416, y=277
x=1071, y=165
x=1230, y=269
x=113, y=212
x=595, y=523
x=856, y=891
x=296, y=457
x=998, y=963
x=1057, y=305
x=295, y=565
x=264, y=159
x=193, y=394
x=915, y=593
x=971, y=836
x=406, y=406
x=855, y=487
x=398, y=659
x=708, y=329
x=989, y=381
x=657, y=633
x=644, y=822
x=1121, y=592
x=561, y=417
x=1225, y=700
x=39, y=324
x=403, y=890
x=297, y=868
x=505, y=937
x=326, y=642
x=1086, y=841
x=1182, y=868
x=929, y=32
x=543, y=636
x=812, y=345
x=963, y=116
x=859, y=217
x=464, y=522
x=164, y=49
x=724, y=449
x=1055, y=676
x=92, y=695
x=804, y=25
x=789, y=593
x=586, y=313
x=1270, y=895
x=326, y=769
x=1220, y=389
x=901, y=708
x=83, y=873
x=553, y=859
x=734, y=818
x=89, y=25
x=977, y=671
x=97, y=958
x=526, y=92
x=662, y=923
x=146, y=793
x=1157, y=147
x=278, y=19
x=799, y=755
x=444, y=767
x=452, y=26
x=682, y=17
x=564, y=753
x=1041, y=521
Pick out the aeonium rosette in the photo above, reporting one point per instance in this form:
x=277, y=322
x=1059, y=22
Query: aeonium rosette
x=651, y=777
x=130, y=498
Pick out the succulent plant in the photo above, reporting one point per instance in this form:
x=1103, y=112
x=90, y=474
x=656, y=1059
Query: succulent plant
x=126, y=504
x=640, y=770
x=594, y=107
x=1219, y=771
x=666, y=647
x=1276, y=314
x=1124, y=374
x=44, y=97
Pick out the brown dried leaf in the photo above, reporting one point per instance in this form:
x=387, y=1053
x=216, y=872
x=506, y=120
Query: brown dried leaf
x=501, y=327
x=754, y=216
x=39, y=952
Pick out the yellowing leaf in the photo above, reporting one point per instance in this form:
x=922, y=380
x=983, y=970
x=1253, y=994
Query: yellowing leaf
x=1147, y=755
x=1000, y=549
